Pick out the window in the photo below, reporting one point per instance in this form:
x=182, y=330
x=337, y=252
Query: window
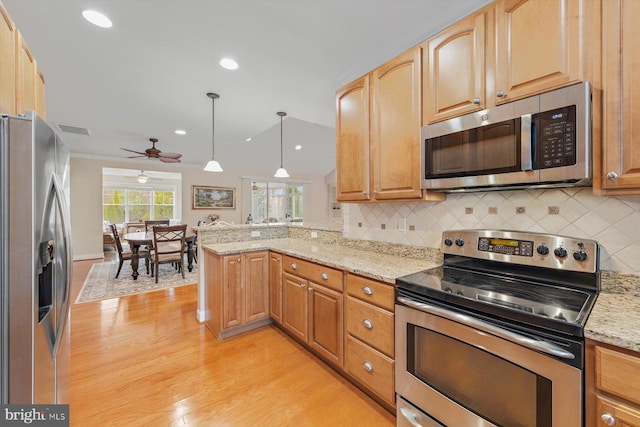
x=277, y=202
x=132, y=204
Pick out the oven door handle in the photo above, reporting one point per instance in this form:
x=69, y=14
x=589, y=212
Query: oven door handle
x=539, y=345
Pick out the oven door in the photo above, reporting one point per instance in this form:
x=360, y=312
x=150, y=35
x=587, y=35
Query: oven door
x=463, y=376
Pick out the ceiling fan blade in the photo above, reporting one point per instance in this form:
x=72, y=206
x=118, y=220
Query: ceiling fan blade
x=170, y=155
x=169, y=160
x=134, y=157
x=133, y=151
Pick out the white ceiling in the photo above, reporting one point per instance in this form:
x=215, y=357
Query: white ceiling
x=149, y=74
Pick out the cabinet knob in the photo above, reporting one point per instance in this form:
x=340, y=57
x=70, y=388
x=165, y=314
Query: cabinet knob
x=500, y=94
x=310, y=289
x=302, y=285
x=365, y=193
x=294, y=266
x=367, y=290
x=476, y=101
x=375, y=192
x=367, y=366
x=239, y=259
x=612, y=175
x=367, y=324
x=324, y=276
x=608, y=419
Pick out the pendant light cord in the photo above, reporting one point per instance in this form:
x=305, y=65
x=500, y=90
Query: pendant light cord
x=213, y=128
x=281, y=162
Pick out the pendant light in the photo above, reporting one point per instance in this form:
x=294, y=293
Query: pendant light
x=213, y=165
x=142, y=178
x=281, y=172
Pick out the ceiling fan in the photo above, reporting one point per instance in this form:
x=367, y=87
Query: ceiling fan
x=154, y=153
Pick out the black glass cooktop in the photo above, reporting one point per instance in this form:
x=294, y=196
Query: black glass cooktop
x=534, y=300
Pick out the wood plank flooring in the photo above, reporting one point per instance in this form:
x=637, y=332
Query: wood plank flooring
x=144, y=360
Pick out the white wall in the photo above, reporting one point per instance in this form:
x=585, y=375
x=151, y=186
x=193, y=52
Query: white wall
x=86, y=198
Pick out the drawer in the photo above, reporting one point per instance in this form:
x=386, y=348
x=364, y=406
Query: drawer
x=320, y=274
x=371, y=324
x=371, y=291
x=372, y=368
x=618, y=373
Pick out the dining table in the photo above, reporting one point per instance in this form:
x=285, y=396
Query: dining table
x=143, y=238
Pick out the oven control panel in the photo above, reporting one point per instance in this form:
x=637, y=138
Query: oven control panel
x=536, y=249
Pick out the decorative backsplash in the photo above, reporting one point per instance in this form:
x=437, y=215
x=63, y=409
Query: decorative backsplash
x=612, y=221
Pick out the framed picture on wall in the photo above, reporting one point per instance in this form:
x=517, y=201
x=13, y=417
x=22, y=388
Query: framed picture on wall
x=205, y=197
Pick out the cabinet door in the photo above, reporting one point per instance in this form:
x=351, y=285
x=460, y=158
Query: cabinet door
x=611, y=413
x=294, y=305
x=232, y=301
x=256, y=286
x=275, y=286
x=396, y=118
x=537, y=46
x=41, y=101
x=455, y=70
x=7, y=64
x=352, y=141
x=621, y=103
x=325, y=323
x=25, y=77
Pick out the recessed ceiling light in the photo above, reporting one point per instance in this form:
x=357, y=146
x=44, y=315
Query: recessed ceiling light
x=298, y=147
x=248, y=139
x=229, y=64
x=97, y=18
x=180, y=132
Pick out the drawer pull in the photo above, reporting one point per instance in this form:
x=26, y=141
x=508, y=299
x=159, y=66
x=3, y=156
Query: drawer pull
x=367, y=290
x=608, y=419
x=367, y=324
x=294, y=266
x=324, y=276
x=367, y=366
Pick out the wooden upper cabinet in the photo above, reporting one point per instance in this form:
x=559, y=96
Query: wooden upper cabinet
x=41, y=100
x=7, y=63
x=621, y=97
x=352, y=141
x=537, y=46
x=396, y=118
x=25, y=77
x=454, y=70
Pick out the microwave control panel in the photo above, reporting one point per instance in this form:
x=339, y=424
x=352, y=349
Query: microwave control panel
x=555, y=132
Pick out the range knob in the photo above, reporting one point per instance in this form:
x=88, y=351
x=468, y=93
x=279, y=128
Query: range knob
x=580, y=255
x=448, y=290
x=448, y=241
x=459, y=242
x=542, y=249
x=560, y=252
x=460, y=293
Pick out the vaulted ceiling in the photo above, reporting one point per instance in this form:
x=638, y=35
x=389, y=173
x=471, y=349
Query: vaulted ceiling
x=149, y=74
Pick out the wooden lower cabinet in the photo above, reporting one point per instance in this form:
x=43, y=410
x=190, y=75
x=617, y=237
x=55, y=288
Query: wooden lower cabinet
x=275, y=286
x=372, y=368
x=313, y=314
x=237, y=292
x=613, y=386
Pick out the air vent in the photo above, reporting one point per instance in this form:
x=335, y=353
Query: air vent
x=73, y=129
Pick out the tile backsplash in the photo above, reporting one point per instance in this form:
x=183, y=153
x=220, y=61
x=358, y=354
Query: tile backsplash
x=613, y=221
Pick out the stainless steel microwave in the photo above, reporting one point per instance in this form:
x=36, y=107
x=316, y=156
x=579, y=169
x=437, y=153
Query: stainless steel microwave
x=536, y=142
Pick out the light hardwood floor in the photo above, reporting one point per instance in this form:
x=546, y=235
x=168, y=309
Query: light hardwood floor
x=144, y=360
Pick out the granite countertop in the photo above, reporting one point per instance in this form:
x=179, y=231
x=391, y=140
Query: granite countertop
x=370, y=264
x=616, y=314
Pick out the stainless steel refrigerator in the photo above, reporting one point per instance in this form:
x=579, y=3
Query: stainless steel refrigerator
x=35, y=262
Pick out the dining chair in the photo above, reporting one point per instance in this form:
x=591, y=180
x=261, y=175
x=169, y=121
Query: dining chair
x=127, y=255
x=132, y=227
x=149, y=224
x=168, y=246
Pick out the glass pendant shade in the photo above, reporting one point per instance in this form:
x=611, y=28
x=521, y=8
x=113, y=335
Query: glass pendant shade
x=213, y=165
x=142, y=178
x=281, y=173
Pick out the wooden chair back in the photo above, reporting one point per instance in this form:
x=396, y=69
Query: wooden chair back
x=149, y=224
x=116, y=238
x=132, y=227
x=169, y=243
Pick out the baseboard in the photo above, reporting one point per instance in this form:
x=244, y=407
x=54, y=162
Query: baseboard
x=88, y=256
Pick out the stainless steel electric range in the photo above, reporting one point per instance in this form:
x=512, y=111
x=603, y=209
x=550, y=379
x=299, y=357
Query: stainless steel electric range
x=495, y=336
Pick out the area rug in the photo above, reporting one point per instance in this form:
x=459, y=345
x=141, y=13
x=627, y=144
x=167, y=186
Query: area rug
x=101, y=282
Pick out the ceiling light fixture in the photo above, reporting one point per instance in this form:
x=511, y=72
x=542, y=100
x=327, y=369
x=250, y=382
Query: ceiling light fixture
x=180, y=132
x=142, y=178
x=213, y=165
x=298, y=147
x=281, y=172
x=96, y=18
x=247, y=140
x=229, y=64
